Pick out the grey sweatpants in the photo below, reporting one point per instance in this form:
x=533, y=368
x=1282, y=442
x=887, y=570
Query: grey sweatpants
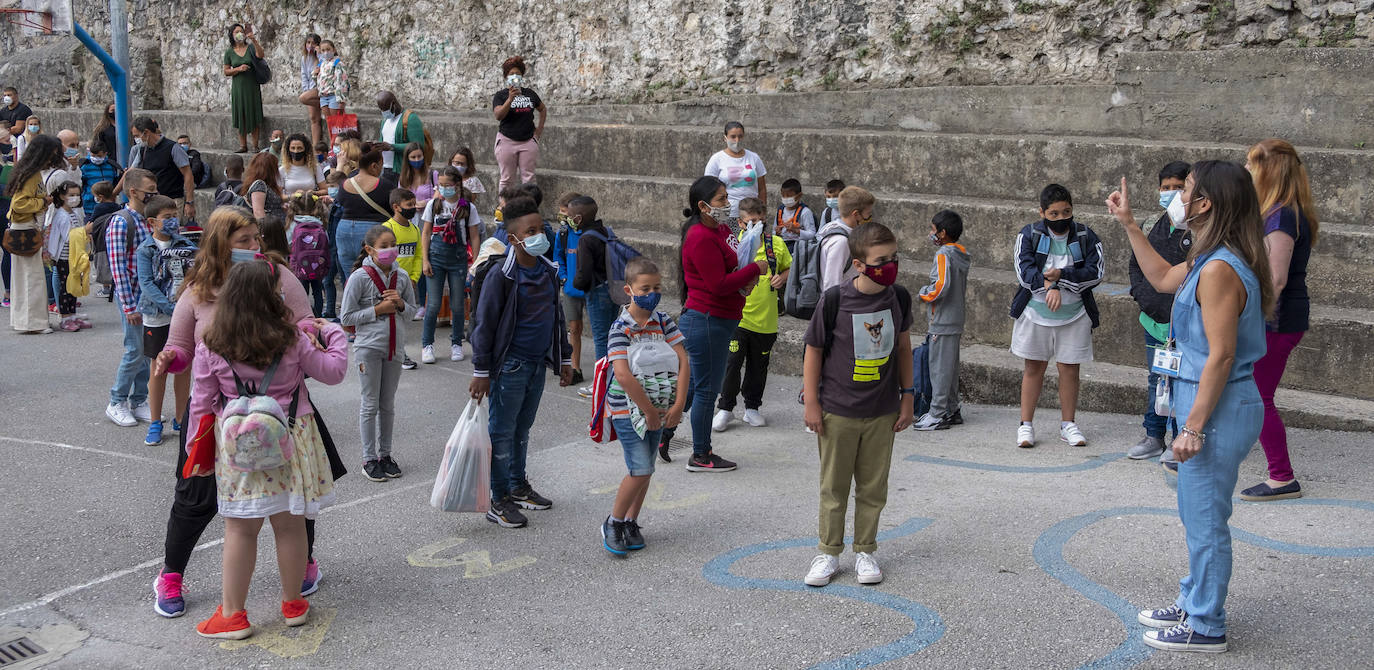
x=377, y=415
x=944, y=375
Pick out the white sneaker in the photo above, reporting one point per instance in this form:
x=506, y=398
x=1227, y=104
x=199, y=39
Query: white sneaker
x=1069, y=432
x=753, y=418
x=927, y=422
x=142, y=412
x=823, y=567
x=585, y=392
x=1025, y=436
x=427, y=354
x=722, y=421
x=419, y=315
x=118, y=412
x=455, y=352
x=866, y=568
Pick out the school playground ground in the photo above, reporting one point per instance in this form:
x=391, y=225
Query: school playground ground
x=994, y=557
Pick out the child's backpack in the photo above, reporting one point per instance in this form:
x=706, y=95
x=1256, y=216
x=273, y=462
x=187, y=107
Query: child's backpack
x=479, y=276
x=830, y=311
x=309, y=250
x=803, y=288
x=600, y=429
x=253, y=430
x=617, y=255
x=920, y=372
x=226, y=197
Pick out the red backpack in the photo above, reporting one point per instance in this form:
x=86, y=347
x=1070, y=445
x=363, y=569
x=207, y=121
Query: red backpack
x=600, y=428
x=309, y=250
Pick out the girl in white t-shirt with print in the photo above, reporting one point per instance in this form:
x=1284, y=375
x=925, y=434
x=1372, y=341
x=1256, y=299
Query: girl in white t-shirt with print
x=451, y=226
x=741, y=169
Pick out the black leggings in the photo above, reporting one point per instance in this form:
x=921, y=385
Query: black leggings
x=66, y=302
x=195, y=503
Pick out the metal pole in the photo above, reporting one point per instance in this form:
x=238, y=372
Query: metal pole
x=119, y=43
x=119, y=81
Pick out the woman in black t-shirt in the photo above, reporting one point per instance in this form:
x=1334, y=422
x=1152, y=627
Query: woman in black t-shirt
x=517, y=140
x=363, y=200
x=1290, y=231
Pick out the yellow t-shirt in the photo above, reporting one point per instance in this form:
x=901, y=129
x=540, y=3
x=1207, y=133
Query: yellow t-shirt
x=761, y=307
x=408, y=241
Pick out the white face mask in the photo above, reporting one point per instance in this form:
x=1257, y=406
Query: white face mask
x=9, y=101
x=1178, y=212
x=789, y=202
x=73, y=201
x=732, y=144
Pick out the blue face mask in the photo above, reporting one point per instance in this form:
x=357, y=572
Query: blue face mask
x=334, y=191
x=418, y=165
x=71, y=152
x=1165, y=197
x=171, y=225
x=242, y=255
x=448, y=191
x=647, y=302
x=536, y=244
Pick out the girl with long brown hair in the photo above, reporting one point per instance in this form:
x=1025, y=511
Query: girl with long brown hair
x=230, y=237
x=254, y=343
x=1290, y=232
x=262, y=186
x=1223, y=297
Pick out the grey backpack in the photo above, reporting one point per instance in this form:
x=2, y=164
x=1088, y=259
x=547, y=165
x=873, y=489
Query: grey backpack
x=803, y=290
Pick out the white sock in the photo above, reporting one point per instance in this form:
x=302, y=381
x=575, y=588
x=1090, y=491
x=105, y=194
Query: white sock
x=1065, y=424
x=617, y=520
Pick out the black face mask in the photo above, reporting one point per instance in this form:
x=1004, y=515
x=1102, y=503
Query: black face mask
x=297, y=155
x=1059, y=227
x=408, y=212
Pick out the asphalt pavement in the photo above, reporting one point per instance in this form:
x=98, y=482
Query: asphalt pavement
x=995, y=557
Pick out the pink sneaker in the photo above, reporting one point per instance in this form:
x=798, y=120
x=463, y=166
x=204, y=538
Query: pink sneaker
x=70, y=326
x=85, y=324
x=311, y=583
x=167, y=588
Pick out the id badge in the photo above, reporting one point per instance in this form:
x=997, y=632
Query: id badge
x=1167, y=361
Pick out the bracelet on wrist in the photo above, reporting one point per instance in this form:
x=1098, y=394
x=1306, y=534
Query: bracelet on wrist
x=1189, y=431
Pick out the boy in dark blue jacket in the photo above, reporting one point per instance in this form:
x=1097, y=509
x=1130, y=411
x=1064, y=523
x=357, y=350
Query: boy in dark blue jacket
x=518, y=330
x=1058, y=263
x=565, y=254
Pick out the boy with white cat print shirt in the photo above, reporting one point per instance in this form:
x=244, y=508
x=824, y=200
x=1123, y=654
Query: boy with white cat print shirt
x=856, y=381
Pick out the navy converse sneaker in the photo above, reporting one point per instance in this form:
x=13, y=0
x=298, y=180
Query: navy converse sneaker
x=1169, y=616
x=1183, y=638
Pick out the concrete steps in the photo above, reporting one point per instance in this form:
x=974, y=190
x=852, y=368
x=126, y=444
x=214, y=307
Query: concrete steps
x=991, y=374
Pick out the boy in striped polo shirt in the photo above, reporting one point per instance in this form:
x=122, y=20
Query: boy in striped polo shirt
x=647, y=394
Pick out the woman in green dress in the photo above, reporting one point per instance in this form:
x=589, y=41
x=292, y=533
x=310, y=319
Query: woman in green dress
x=245, y=98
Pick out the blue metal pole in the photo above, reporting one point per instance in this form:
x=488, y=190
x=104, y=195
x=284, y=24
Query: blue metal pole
x=119, y=81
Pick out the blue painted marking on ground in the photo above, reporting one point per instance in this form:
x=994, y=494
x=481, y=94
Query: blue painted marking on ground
x=1090, y=464
x=928, y=626
x=1049, y=554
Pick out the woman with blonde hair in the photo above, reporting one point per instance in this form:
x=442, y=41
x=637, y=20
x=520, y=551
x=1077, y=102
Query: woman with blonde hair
x=230, y=236
x=1223, y=295
x=1290, y=232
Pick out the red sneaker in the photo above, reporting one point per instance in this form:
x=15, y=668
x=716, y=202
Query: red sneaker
x=220, y=627
x=296, y=611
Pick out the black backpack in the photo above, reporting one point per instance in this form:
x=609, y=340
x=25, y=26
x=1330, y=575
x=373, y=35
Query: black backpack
x=199, y=174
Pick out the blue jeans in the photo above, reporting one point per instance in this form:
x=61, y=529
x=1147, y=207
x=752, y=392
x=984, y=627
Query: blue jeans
x=1155, y=425
x=601, y=312
x=131, y=379
x=449, y=262
x=639, y=452
x=708, y=351
x=514, y=402
x=349, y=240
x=1206, y=483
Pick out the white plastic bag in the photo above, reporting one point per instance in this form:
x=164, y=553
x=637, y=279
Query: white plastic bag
x=749, y=245
x=464, y=480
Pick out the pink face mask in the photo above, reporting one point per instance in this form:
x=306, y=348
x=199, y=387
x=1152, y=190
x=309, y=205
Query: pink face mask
x=385, y=257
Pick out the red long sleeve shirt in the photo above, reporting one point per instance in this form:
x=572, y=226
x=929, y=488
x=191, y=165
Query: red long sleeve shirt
x=708, y=266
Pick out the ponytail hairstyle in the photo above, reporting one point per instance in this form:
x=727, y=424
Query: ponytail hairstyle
x=305, y=203
x=461, y=213
x=704, y=189
x=1234, y=222
x=252, y=324
x=370, y=239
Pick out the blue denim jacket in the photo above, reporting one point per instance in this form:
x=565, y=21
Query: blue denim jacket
x=495, y=325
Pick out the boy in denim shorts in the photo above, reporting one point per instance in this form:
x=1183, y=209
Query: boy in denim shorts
x=646, y=395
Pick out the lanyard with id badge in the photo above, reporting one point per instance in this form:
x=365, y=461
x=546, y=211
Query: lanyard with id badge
x=1167, y=362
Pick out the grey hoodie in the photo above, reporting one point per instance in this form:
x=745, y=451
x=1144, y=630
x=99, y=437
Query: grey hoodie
x=361, y=295
x=947, y=289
